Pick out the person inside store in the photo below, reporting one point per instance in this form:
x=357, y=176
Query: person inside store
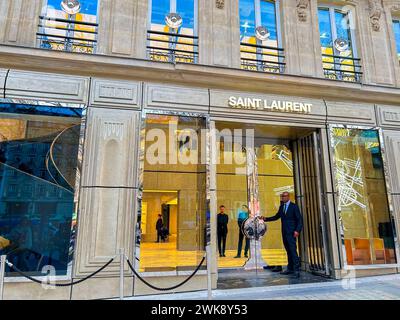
x=222, y=230
x=292, y=224
x=159, y=228
x=242, y=215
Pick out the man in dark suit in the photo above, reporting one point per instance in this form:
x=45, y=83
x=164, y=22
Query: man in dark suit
x=292, y=224
x=222, y=230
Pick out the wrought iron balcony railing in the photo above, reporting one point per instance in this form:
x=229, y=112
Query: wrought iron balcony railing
x=262, y=58
x=172, y=47
x=341, y=68
x=67, y=35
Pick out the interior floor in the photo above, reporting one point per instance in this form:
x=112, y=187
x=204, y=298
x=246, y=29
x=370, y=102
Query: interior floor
x=239, y=278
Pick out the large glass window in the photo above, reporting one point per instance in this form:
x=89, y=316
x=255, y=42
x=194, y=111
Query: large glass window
x=172, y=34
x=69, y=26
x=339, y=56
x=38, y=170
x=172, y=219
x=363, y=203
x=260, y=36
x=396, y=27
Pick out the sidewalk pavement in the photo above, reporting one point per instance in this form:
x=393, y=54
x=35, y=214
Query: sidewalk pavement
x=369, y=288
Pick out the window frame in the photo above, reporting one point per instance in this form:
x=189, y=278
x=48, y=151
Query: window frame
x=341, y=245
x=78, y=182
x=396, y=21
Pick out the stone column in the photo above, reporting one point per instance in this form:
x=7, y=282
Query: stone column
x=300, y=35
x=219, y=34
x=117, y=27
x=109, y=184
x=391, y=11
x=19, y=21
x=376, y=48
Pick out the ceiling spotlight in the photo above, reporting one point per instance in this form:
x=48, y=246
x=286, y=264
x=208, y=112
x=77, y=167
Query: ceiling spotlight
x=262, y=33
x=71, y=6
x=341, y=44
x=173, y=20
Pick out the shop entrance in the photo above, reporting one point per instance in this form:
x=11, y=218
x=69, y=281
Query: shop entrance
x=252, y=172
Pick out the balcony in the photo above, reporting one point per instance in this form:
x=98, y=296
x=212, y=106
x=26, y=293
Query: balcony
x=67, y=35
x=172, y=47
x=341, y=68
x=261, y=58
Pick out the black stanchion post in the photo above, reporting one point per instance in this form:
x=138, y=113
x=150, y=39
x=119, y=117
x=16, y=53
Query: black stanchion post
x=2, y=273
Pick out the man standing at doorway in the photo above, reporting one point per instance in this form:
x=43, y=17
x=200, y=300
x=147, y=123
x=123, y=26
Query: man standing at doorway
x=292, y=224
x=159, y=227
x=222, y=230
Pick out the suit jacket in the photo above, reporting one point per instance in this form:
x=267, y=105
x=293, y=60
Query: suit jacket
x=292, y=220
x=222, y=223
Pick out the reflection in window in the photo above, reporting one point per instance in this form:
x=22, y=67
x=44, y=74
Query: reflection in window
x=69, y=28
x=363, y=204
x=337, y=44
x=172, y=219
x=396, y=26
x=172, y=35
x=38, y=171
x=259, y=36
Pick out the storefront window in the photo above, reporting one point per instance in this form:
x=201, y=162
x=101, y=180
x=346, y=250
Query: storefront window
x=259, y=35
x=339, y=56
x=38, y=173
x=396, y=26
x=69, y=26
x=173, y=208
x=363, y=202
x=172, y=34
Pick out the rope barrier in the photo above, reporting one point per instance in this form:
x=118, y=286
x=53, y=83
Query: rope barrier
x=170, y=288
x=58, y=284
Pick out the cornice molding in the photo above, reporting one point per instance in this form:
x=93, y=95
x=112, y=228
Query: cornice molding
x=112, y=67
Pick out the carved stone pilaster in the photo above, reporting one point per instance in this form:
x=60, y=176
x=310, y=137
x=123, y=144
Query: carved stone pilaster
x=375, y=9
x=220, y=4
x=302, y=9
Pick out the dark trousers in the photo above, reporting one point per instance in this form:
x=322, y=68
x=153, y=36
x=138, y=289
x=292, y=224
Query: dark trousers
x=221, y=242
x=159, y=235
x=290, y=244
x=240, y=242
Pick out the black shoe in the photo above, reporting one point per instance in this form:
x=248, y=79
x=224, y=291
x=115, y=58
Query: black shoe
x=224, y=255
x=221, y=255
x=237, y=256
x=268, y=268
x=277, y=269
x=287, y=272
x=246, y=256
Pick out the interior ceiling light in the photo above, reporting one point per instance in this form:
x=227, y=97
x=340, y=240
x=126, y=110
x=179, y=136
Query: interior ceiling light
x=341, y=44
x=173, y=20
x=262, y=33
x=71, y=6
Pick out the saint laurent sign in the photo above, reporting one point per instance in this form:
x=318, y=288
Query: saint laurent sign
x=272, y=105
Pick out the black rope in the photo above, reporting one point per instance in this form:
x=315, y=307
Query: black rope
x=58, y=284
x=170, y=288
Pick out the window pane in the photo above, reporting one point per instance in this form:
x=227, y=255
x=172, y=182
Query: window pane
x=396, y=25
x=342, y=23
x=325, y=30
x=159, y=9
x=186, y=10
x=247, y=20
x=69, y=36
x=38, y=168
x=367, y=227
x=174, y=206
x=268, y=18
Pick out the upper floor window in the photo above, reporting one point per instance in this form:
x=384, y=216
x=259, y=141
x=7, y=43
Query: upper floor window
x=396, y=26
x=260, y=36
x=69, y=25
x=339, y=55
x=172, y=33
